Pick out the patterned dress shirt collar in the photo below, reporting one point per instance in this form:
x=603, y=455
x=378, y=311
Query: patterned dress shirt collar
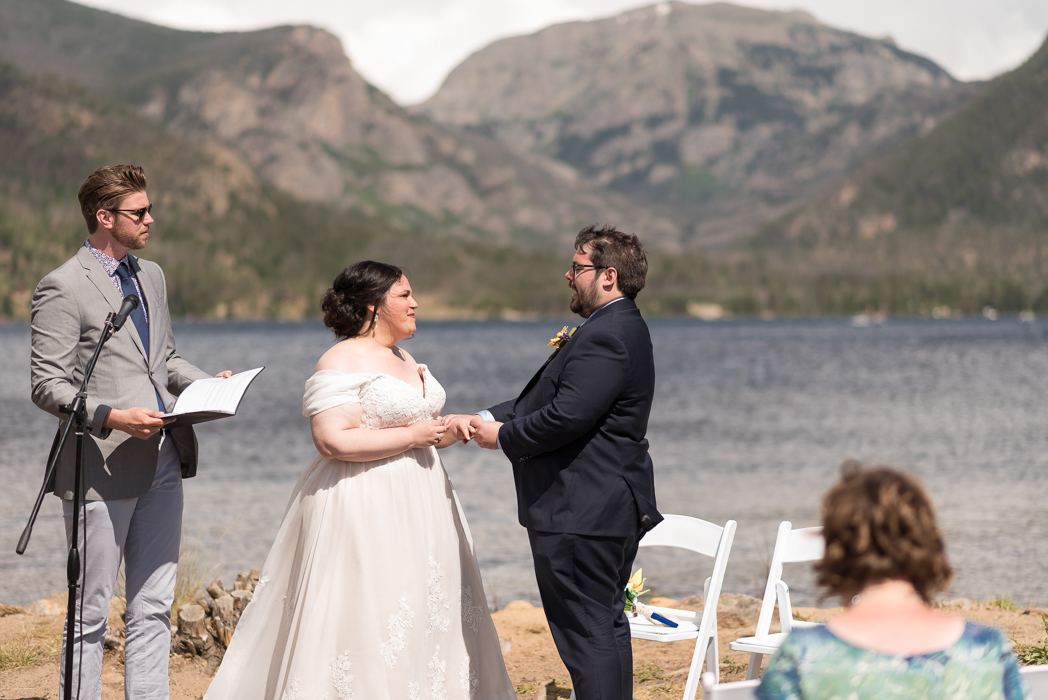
x=110, y=264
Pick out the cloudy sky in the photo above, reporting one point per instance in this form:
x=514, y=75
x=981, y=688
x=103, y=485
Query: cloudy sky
x=407, y=47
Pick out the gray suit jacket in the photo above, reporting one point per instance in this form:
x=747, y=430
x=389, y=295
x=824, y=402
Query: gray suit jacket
x=70, y=306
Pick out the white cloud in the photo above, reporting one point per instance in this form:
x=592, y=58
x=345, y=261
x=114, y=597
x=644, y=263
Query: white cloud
x=203, y=15
x=407, y=47
x=411, y=51
x=973, y=39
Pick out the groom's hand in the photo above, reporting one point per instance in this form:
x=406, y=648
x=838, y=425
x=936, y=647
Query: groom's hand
x=486, y=432
x=459, y=427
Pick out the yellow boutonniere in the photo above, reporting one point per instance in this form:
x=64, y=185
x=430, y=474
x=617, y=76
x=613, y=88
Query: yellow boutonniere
x=562, y=337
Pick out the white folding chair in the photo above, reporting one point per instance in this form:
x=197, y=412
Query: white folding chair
x=712, y=541
x=740, y=690
x=791, y=546
x=1037, y=678
x=709, y=540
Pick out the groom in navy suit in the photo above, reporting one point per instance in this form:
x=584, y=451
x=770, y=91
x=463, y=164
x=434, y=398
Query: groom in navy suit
x=585, y=485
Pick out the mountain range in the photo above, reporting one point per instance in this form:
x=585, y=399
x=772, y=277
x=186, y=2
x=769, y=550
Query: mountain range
x=958, y=215
x=763, y=157
x=723, y=114
x=288, y=100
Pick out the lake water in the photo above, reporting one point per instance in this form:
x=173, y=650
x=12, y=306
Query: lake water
x=751, y=422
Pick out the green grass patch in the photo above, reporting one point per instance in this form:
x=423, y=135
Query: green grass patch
x=1030, y=654
x=191, y=574
x=30, y=648
x=730, y=666
x=1004, y=602
x=649, y=672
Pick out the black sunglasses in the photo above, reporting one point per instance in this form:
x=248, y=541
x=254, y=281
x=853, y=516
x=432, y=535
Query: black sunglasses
x=138, y=214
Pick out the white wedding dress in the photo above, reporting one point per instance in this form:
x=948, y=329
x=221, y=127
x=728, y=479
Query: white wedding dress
x=372, y=589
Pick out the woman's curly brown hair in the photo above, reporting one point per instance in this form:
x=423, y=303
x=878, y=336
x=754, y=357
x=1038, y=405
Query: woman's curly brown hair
x=361, y=285
x=879, y=524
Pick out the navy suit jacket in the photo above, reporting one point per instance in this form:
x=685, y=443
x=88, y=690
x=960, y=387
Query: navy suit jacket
x=576, y=434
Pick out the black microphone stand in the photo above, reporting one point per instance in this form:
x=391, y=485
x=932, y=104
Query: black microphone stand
x=77, y=411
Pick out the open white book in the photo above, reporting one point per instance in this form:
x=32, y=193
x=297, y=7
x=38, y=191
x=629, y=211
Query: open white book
x=210, y=399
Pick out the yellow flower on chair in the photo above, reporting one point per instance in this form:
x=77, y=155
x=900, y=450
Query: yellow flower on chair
x=635, y=589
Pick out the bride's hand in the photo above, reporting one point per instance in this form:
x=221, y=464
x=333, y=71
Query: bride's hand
x=427, y=433
x=459, y=427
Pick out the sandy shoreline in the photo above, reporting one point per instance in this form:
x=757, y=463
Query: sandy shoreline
x=660, y=670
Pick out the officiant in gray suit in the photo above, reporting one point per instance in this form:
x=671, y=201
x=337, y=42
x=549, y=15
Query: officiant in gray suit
x=131, y=504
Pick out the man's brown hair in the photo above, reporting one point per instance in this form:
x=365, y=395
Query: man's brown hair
x=879, y=524
x=609, y=247
x=106, y=187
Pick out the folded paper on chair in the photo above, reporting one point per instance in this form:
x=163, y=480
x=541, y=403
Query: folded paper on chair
x=210, y=399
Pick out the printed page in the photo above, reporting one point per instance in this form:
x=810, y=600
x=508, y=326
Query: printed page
x=215, y=395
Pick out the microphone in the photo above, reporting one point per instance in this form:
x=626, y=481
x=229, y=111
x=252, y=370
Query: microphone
x=128, y=306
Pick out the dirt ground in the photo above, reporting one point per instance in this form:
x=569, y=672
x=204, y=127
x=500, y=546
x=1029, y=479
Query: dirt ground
x=30, y=641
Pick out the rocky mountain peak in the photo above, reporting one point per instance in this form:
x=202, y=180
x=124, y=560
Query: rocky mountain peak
x=680, y=103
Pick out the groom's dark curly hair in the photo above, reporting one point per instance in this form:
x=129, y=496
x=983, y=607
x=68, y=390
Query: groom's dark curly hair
x=359, y=286
x=609, y=247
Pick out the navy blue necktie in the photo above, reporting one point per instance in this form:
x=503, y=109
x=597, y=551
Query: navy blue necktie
x=138, y=316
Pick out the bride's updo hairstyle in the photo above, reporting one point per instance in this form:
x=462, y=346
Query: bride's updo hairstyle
x=360, y=285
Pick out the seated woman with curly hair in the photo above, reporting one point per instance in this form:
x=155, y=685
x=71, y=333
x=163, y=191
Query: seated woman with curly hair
x=885, y=559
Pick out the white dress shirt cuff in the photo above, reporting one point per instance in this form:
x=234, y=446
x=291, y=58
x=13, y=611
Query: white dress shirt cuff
x=486, y=415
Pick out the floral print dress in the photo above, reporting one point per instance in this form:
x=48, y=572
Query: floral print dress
x=815, y=664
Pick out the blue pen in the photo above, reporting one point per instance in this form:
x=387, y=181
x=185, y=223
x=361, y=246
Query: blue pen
x=664, y=620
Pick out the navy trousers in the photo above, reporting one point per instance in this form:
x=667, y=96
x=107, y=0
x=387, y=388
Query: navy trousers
x=582, y=581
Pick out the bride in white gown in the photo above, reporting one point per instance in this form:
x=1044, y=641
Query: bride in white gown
x=371, y=590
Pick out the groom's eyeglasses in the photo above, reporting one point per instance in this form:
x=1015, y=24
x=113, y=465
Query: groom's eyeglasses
x=576, y=268
x=136, y=214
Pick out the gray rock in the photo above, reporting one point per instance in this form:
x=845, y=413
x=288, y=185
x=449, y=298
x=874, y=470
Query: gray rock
x=51, y=606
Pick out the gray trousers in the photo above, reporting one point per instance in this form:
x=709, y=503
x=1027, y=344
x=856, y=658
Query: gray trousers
x=146, y=532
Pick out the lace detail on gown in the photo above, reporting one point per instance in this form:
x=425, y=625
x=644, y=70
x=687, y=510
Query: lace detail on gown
x=292, y=692
x=436, y=601
x=438, y=668
x=399, y=623
x=340, y=677
x=385, y=401
x=471, y=614
x=468, y=679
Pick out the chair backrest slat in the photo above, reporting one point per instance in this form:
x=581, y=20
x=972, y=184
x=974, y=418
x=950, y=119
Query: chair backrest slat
x=805, y=544
x=791, y=547
x=686, y=532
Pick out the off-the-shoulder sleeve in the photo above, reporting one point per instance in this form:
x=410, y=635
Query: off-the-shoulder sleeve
x=329, y=388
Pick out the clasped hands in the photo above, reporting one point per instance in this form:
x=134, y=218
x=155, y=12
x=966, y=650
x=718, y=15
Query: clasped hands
x=473, y=427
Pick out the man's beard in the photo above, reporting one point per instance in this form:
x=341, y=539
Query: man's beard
x=129, y=239
x=583, y=301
